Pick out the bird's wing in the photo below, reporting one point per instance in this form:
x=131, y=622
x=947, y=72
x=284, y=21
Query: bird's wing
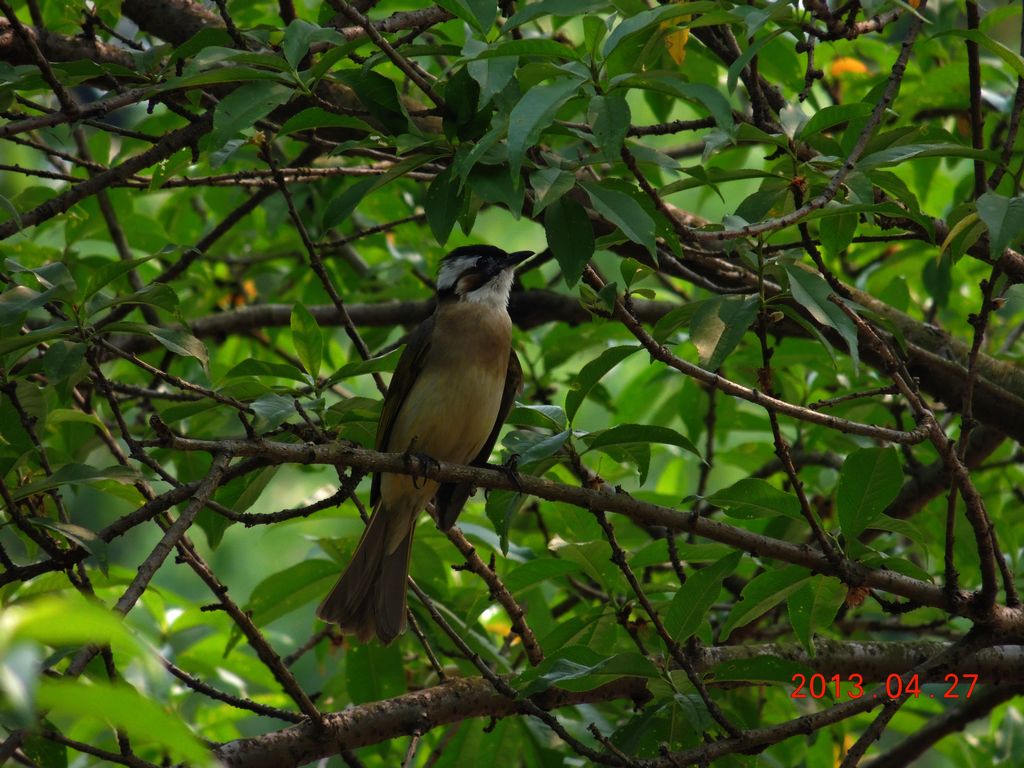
x=406, y=372
x=451, y=497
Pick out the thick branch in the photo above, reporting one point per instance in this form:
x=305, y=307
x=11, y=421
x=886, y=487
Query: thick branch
x=416, y=712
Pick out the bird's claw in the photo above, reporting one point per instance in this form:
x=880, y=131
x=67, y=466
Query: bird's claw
x=418, y=464
x=511, y=469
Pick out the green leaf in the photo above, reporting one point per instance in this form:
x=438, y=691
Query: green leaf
x=265, y=369
x=543, y=416
x=608, y=117
x=742, y=60
x=241, y=108
x=380, y=97
x=301, y=34
x=501, y=506
x=182, y=343
x=669, y=84
x=45, y=620
x=814, y=606
x=308, y=339
x=529, y=11
x=75, y=474
x=752, y=497
x=1014, y=60
x=1004, y=217
x=594, y=559
x=316, y=117
x=692, y=603
x=42, y=751
x=530, y=447
x=535, y=571
x=380, y=364
x=718, y=326
x=291, y=588
x=272, y=411
x=640, y=433
x=760, y=669
x=536, y=46
x=761, y=594
x=870, y=479
x=832, y=116
x=812, y=292
x=534, y=112
x=83, y=537
x=444, y=204
x=836, y=234
x=580, y=668
x=903, y=152
x=570, y=237
x=342, y=206
x=590, y=374
x=218, y=76
x=141, y=718
x=549, y=186
x=19, y=300
x=624, y=212
x=647, y=19
x=674, y=318
x=373, y=673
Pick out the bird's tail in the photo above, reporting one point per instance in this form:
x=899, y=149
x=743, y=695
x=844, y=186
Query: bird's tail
x=369, y=598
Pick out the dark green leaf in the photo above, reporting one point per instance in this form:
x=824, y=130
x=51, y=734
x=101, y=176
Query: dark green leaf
x=812, y=292
x=182, y=343
x=869, y=480
x=832, y=116
x=624, y=212
x=718, y=327
x=379, y=364
x=534, y=112
x=581, y=669
x=74, y=474
x=1004, y=217
x=443, y=204
x=647, y=19
x=752, y=497
x=762, y=593
x=640, y=433
x=241, y=108
x=814, y=607
x=590, y=374
x=301, y=34
x=308, y=339
x=692, y=603
x=609, y=118
x=373, y=672
x=529, y=47
x=570, y=237
x=272, y=411
x=294, y=587
x=536, y=571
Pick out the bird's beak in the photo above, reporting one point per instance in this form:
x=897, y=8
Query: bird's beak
x=518, y=257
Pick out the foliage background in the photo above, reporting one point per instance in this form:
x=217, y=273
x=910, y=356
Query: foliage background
x=774, y=331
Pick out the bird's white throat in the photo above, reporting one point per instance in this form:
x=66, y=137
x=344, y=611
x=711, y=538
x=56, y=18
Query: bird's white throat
x=494, y=293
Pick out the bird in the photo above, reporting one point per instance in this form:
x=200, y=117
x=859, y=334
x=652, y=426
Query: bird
x=452, y=390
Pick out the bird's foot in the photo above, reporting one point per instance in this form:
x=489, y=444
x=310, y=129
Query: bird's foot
x=418, y=464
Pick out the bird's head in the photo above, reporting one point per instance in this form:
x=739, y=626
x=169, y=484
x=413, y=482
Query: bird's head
x=480, y=274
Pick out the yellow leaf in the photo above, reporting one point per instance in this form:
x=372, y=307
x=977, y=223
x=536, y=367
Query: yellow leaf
x=676, y=45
